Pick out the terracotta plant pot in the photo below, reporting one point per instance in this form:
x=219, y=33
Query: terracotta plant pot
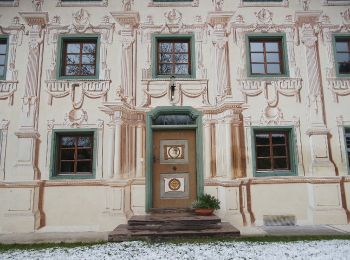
x=204, y=212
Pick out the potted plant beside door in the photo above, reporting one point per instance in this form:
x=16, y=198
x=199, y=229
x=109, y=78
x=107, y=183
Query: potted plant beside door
x=205, y=205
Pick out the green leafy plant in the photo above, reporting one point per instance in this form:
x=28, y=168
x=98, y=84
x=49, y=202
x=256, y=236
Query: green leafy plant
x=206, y=201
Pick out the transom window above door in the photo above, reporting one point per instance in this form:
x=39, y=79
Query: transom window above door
x=174, y=57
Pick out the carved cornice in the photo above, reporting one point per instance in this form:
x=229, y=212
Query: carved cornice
x=35, y=18
x=307, y=17
x=219, y=18
x=194, y=3
x=127, y=19
x=7, y=90
x=61, y=3
x=283, y=3
x=339, y=87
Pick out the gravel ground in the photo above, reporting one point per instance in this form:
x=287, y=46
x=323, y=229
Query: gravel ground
x=328, y=249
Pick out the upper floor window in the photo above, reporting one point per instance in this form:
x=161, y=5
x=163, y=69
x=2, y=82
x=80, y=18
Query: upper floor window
x=3, y=57
x=174, y=56
x=79, y=57
x=273, y=152
x=342, y=48
x=266, y=56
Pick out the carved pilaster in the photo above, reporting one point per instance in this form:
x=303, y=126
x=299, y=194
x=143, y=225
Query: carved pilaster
x=129, y=21
x=321, y=164
x=27, y=133
x=219, y=20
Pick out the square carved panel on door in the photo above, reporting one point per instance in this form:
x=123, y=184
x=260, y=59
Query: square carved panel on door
x=174, y=185
x=173, y=151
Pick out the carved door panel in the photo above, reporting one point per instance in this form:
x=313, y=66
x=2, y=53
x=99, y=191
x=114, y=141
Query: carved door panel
x=174, y=168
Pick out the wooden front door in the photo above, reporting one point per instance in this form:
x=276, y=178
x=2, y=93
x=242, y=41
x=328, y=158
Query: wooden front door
x=174, y=168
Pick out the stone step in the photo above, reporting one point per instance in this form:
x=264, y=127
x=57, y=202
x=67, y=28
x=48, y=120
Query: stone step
x=122, y=233
x=171, y=221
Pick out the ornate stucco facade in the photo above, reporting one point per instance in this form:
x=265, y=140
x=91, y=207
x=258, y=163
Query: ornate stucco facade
x=310, y=99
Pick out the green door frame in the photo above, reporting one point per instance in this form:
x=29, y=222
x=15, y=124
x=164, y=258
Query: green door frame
x=172, y=110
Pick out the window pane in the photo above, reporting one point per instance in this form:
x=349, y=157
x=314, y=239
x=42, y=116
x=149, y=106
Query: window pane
x=263, y=151
x=279, y=151
x=84, y=141
x=278, y=138
x=273, y=68
x=67, y=141
x=271, y=46
x=280, y=163
x=344, y=68
x=258, y=69
x=256, y=47
x=89, y=47
x=181, y=69
x=165, y=69
x=72, y=70
x=88, y=70
x=263, y=164
x=84, y=167
x=343, y=57
x=73, y=59
x=67, y=154
x=2, y=48
x=181, y=58
x=181, y=47
x=84, y=154
x=165, y=47
x=88, y=59
x=261, y=139
x=341, y=46
x=166, y=57
x=67, y=167
x=73, y=48
x=272, y=57
x=2, y=71
x=174, y=120
x=257, y=57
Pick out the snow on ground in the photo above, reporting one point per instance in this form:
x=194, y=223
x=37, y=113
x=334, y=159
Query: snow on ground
x=328, y=249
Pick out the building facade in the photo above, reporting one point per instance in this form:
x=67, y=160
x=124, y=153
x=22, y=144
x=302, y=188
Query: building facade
x=113, y=108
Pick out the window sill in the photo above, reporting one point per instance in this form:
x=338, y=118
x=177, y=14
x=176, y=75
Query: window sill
x=72, y=177
x=339, y=86
x=193, y=3
x=273, y=173
x=7, y=89
x=103, y=3
x=283, y=3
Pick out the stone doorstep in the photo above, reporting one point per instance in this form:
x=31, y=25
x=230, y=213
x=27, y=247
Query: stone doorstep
x=122, y=233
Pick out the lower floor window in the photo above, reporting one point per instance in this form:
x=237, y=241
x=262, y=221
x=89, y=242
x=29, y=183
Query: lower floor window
x=347, y=143
x=75, y=153
x=272, y=151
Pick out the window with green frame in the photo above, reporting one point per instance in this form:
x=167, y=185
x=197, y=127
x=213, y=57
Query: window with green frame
x=73, y=154
x=3, y=56
x=173, y=56
x=347, y=145
x=273, y=152
x=78, y=57
x=342, y=55
x=267, y=55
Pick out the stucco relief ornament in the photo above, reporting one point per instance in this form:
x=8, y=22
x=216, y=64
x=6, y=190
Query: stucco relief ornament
x=4, y=124
x=306, y=5
x=173, y=21
x=271, y=116
x=218, y=5
x=264, y=16
x=346, y=16
x=127, y=4
x=37, y=5
x=75, y=117
x=81, y=19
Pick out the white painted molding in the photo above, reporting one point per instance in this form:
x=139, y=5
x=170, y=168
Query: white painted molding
x=7, y=90
x=61, y=3
x=194, y=3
